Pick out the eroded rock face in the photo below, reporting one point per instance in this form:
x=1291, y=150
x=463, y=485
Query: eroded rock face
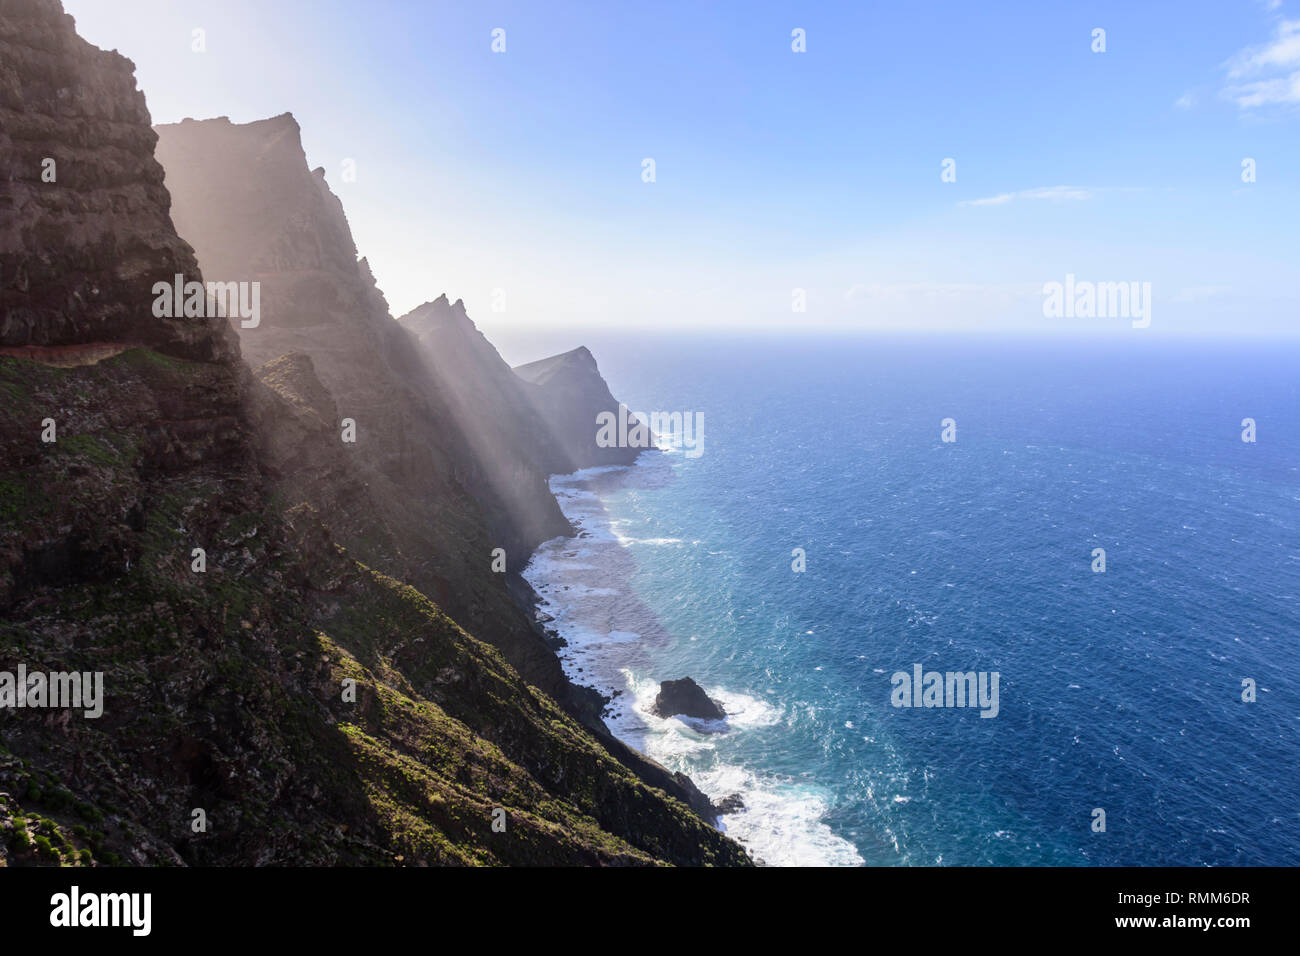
x=452, y=452
x=79, y=251
x=222, y=683
x=507, y=434
x=244, y=195
x=295, y=424
x=687, y=699
x=84, y=226
x=570, y=393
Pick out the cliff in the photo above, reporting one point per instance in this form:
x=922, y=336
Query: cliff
x=453, y=449
x=570, y=394
x=506, y=433
x=244, y=196
x=84, y=230
x=271, y=699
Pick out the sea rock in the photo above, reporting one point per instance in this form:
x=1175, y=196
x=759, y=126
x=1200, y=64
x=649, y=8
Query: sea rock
x=229, y=689
x=731, y=804
x=686, y=698
x=429, y=489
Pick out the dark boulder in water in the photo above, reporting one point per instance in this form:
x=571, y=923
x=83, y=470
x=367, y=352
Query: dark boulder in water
x=731, y=804
x=166, y=440
x=687, y=698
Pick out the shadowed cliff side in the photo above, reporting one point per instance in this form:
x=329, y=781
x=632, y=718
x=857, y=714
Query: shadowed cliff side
x=507, y=435
x=446, y=401
x=84, y=231
x=481, y=382
x=244, y=196
x=570, y=394
x=226, y=669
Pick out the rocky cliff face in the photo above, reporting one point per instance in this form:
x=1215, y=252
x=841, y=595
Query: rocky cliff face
x=478, y=377
x=267, y=697
x=84, y=230
x=437, y=409
x=244, y=196
x=506, y=432
x=78, y=257
x=570, y=394
x=525, y=429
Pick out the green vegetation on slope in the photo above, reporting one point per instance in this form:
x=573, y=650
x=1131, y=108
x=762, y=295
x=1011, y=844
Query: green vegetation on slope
x=225, y=690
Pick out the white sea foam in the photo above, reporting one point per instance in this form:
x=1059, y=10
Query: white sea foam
x=610, y=638
x=782, y=821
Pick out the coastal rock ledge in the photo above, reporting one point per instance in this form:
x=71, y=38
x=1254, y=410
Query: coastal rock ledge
x=686, y=698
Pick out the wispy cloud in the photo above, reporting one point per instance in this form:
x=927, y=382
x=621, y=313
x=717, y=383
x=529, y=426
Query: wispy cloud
x=1050, y=193
x=1268, y=74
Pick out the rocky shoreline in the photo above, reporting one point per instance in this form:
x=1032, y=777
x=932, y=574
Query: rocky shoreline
x=275, y=541
x=592, y=704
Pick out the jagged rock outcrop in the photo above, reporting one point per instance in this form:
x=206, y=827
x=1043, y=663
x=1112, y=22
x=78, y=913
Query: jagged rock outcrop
x=571, y=395
x=508, y=436
x=687, y=699
x=439, y=410
x=84, y=230
x=244, y=196
x=224, y=670
x=732, y=803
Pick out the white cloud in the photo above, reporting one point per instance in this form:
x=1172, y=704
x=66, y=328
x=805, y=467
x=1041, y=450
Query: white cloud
x=1265, y=92
x=1057, y=193
x=1186, y=101
x=1050, y=193
x=1268, y=74
x=991, y=200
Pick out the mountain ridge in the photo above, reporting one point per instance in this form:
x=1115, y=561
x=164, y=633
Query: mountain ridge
x=270, y=697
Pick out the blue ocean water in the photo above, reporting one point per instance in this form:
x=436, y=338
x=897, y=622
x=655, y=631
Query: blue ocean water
x=1119, y=690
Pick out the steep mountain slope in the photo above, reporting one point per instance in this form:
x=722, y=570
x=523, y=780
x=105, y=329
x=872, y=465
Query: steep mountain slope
x=503, y=428
x=538, y=416
x=226, y=683
x=245, y=197
x=570, y=394
x=482, y=384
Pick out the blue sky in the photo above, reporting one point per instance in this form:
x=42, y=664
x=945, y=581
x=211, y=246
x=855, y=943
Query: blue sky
x=522, y=171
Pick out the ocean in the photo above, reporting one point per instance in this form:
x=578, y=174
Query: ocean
x=1119, y=690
